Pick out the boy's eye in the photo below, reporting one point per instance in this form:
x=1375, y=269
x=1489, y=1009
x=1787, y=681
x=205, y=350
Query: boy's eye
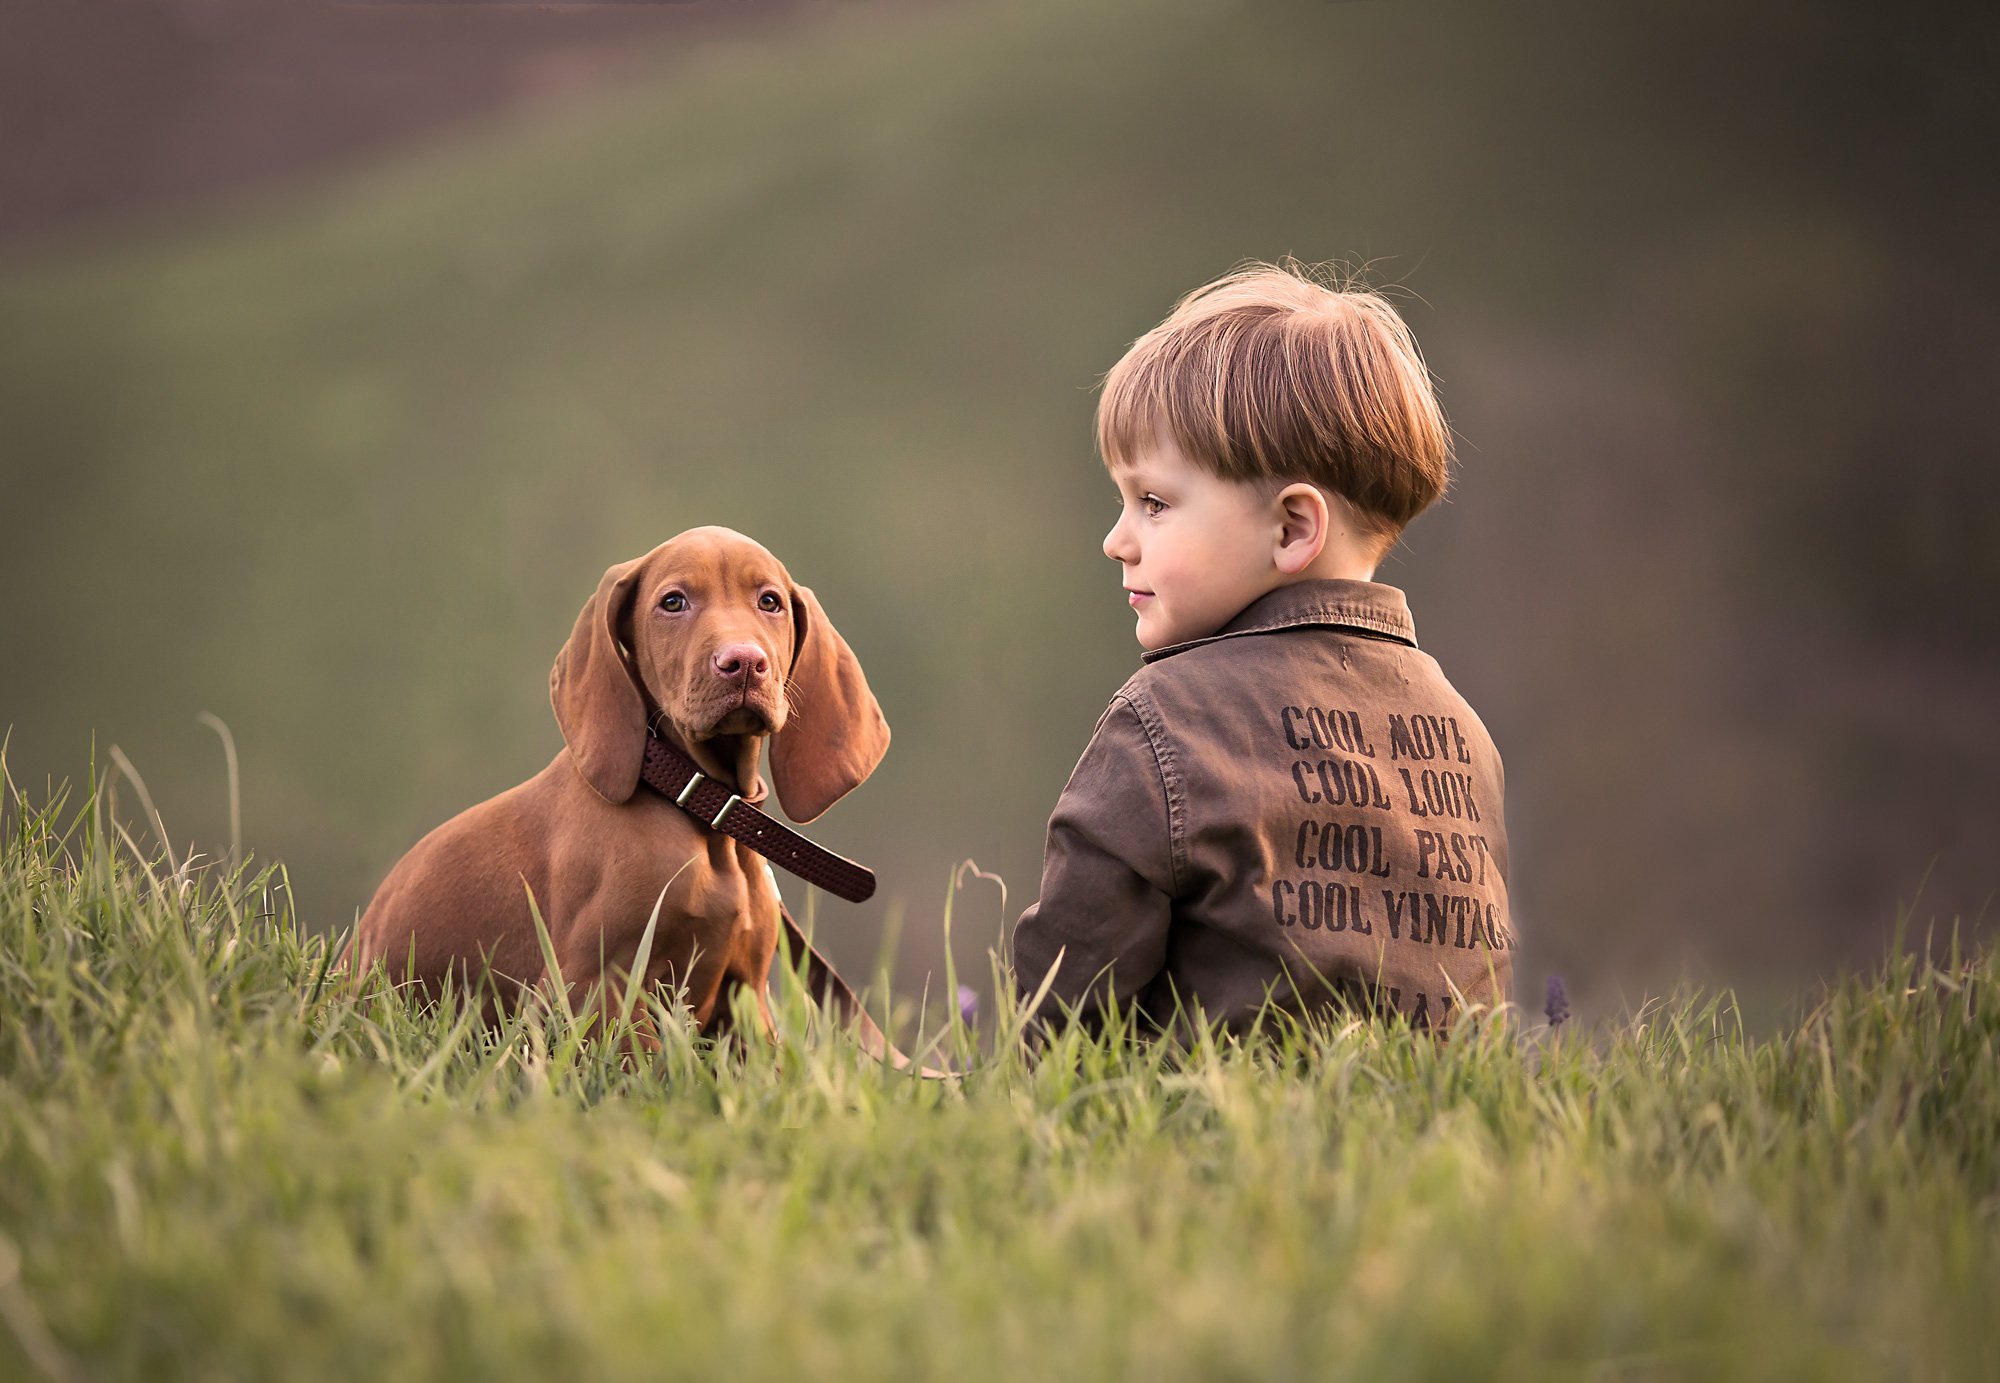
x=1152, y=504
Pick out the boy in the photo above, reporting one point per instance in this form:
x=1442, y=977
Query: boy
x=1288, y=798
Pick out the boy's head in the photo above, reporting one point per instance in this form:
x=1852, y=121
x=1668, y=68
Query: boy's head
x=1271, y=430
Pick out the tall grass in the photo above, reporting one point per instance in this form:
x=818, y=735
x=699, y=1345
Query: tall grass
x=219, y=1158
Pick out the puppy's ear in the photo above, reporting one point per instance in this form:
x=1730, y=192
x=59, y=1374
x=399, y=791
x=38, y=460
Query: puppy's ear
x=834, y=732
x=595, y=694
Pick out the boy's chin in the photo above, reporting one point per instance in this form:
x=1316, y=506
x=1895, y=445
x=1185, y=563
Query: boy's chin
x=1152, y=639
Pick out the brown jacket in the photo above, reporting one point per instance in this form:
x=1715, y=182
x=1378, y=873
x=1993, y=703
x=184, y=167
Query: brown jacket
x=1297, y=803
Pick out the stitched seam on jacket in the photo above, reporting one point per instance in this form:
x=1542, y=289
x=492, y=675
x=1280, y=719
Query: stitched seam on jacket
x=1170, y=783
x=1381, y=628
x=1366, y=615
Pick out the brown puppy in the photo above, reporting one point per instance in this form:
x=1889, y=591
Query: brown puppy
x=709, y=641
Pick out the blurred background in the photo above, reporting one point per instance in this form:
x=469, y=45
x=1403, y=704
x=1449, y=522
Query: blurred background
x=343, y=347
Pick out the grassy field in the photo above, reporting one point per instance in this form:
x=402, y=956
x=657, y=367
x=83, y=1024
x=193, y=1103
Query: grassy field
x=217, y=1161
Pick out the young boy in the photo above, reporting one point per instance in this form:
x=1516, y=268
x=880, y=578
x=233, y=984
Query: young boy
x=1288, y=798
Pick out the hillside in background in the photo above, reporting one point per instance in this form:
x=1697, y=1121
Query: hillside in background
x=125, y=113
x=1708, y=294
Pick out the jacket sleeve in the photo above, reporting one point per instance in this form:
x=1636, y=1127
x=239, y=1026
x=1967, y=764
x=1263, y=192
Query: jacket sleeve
x=1108, y=879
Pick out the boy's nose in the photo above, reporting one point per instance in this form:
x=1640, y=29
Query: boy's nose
x=1114, y=541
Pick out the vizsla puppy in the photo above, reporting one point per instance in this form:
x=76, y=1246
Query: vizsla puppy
x=707, y=641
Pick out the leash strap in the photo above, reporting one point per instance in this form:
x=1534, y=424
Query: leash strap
x=676, y=778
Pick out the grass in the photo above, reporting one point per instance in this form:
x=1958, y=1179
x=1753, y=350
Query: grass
x=218, y=1160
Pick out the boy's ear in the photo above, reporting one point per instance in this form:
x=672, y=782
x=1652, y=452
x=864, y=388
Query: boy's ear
x=834, y=732
x=1302, y=518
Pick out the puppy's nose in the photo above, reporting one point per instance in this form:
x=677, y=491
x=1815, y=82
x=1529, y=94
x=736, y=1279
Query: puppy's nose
x=741, y=662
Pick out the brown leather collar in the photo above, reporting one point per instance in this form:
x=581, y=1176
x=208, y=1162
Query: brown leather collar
x=677, y=778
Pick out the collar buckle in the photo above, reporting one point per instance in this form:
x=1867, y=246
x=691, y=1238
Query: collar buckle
x=688, y=791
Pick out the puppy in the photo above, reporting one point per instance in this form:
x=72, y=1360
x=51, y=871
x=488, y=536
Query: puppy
x=708, y=643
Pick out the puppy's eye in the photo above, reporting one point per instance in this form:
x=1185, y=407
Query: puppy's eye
x=769, y=601
x=673, y=602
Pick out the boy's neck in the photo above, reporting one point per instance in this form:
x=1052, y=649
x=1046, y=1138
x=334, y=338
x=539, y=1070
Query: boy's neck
x=1351, y=564
x=1328, y=566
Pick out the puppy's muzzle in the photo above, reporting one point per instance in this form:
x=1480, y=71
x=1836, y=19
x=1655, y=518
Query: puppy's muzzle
x=742, y=698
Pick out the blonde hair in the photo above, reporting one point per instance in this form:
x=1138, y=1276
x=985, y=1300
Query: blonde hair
x=1267, y=375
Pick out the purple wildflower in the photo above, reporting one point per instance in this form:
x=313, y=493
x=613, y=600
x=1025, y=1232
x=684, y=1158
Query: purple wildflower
x=968, y=1004
x=1558, y=1002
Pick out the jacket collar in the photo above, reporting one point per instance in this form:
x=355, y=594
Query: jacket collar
x=1368, y=607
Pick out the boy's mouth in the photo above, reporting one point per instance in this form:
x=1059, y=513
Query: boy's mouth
x=1134, y=597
